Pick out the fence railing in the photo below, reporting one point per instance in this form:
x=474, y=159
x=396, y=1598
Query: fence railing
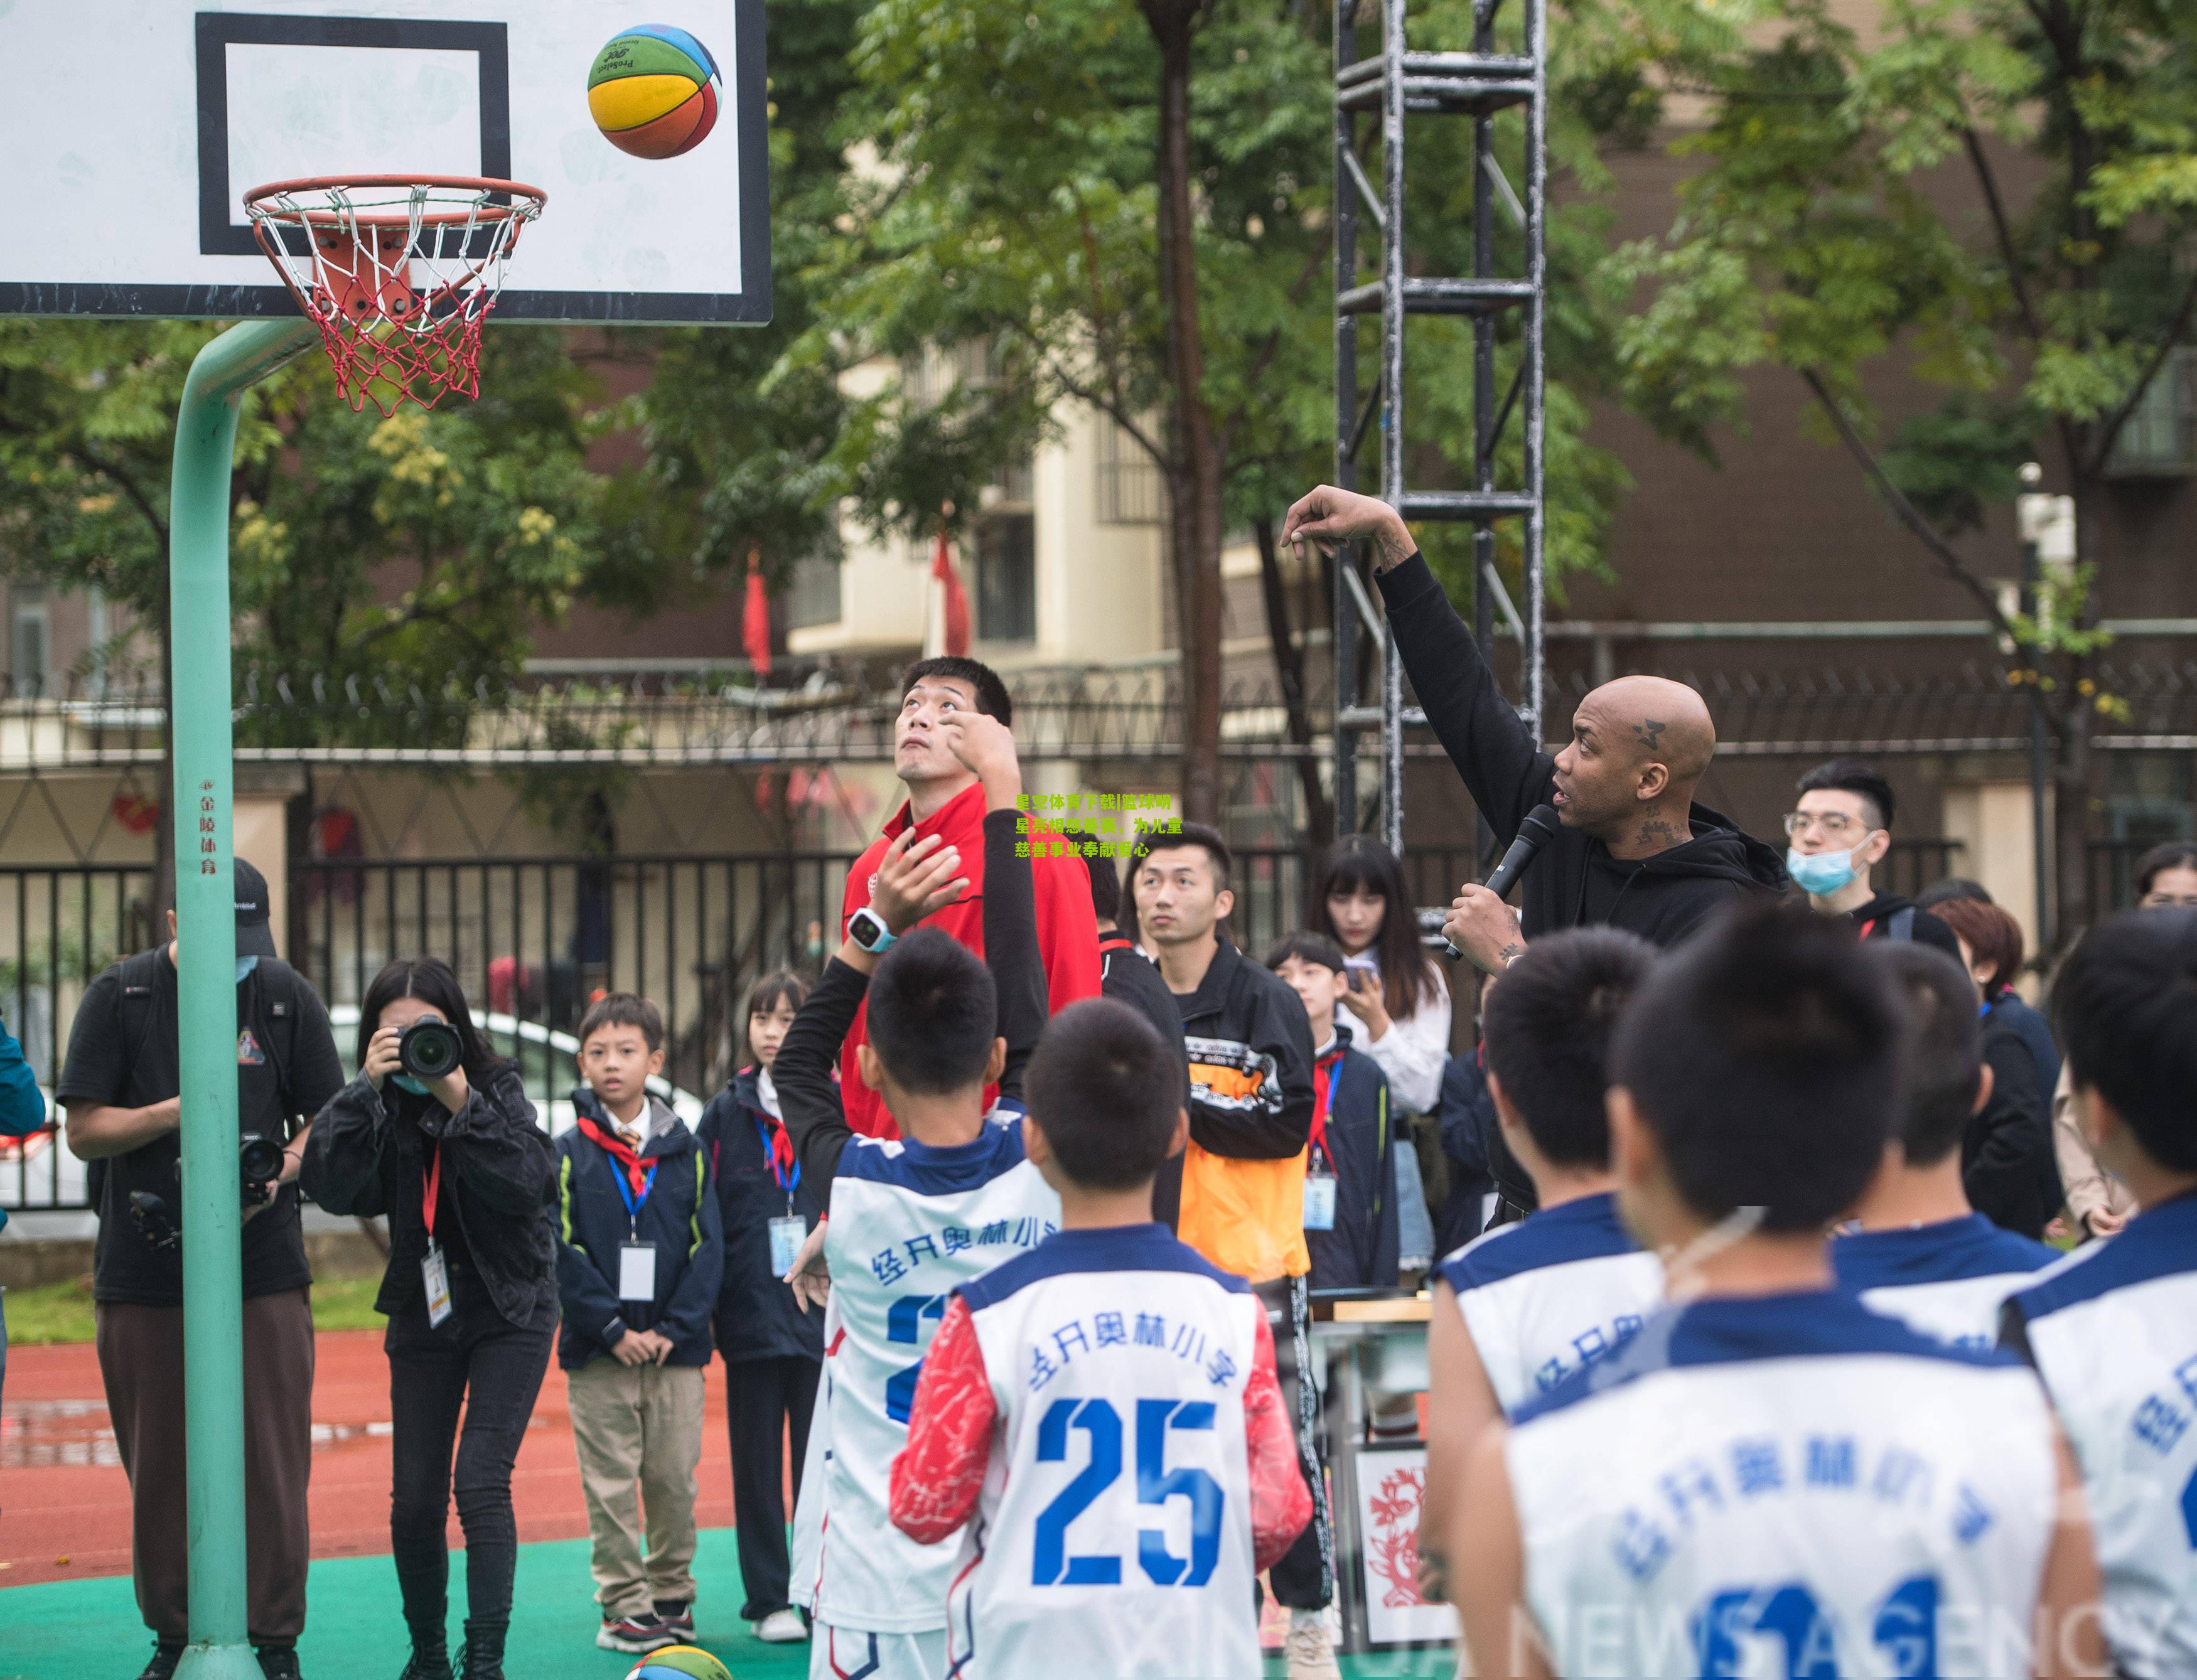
x=533, y=939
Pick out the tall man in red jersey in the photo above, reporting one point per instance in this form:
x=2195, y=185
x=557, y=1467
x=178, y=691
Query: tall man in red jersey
x=945, y=799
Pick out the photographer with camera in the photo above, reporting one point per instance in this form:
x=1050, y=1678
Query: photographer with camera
x=120, y=1086
x=436, y=1133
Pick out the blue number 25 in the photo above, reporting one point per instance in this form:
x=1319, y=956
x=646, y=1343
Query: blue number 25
x=1050, y=1565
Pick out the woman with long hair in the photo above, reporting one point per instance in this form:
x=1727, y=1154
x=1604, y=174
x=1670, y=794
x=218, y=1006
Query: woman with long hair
x=1399, y=1003
x=462, y=1171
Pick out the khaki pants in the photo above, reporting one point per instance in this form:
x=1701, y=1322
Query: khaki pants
x=644, y=1422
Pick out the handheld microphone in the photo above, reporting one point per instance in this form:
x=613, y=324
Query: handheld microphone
x=1539, y=828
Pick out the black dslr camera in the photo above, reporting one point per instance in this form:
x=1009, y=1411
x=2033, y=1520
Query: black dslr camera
x=258, y=1166
x=430, y=1049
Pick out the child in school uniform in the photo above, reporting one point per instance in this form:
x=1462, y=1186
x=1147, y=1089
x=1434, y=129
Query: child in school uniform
x=773, y=1351
x=1350, y=1210
x=1102, y=1412
x=638, y=1251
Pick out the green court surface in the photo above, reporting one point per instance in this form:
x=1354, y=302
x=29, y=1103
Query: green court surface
x=89, y=1630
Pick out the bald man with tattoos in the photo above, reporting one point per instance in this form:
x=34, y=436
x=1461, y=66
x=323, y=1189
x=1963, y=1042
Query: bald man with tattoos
x=1634, y=850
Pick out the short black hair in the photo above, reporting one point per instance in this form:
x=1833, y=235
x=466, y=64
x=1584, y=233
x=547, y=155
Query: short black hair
x=1179, y=835
x=2125, y=1006
x=1942, y=1051
x=1953, y=887
x=1547, y=1032
x=1105, y=1088
x=624, y=1009
x=1306, y=947
x=1765, y=1056
x=1851, y=775
x=934, y=1013
x=1105, y=882
x=983, y=683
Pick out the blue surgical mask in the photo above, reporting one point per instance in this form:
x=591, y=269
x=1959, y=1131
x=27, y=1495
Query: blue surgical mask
x=1821, y=874
x=244, y=967
x=406, y=1082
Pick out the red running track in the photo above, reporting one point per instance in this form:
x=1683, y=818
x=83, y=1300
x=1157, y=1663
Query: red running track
x=65, y=1502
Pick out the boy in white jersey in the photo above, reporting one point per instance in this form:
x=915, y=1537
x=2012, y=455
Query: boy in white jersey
x=1770, y=1479
x=1103, y=1414
x=1922, y=1254
x=1518, y=1310
x=2114, y=1329
x=908, y=1220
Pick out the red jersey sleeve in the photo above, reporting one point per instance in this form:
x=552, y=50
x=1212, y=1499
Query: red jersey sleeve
x=939, y=1474
x=1281, y=1504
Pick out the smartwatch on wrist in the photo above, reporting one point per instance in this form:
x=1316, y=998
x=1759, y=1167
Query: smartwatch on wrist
x=868, y=930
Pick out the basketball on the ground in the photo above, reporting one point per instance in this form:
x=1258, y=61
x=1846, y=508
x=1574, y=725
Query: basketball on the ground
x=653, y=91
x=680, y=1662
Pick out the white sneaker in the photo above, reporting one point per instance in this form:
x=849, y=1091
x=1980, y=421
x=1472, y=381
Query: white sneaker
x=1306, y=1651
x=782, y=1627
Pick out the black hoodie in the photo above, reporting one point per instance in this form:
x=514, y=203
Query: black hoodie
x=1573, y=882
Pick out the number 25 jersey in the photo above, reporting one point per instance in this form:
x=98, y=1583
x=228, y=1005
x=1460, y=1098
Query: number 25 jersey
x=1788, y=1484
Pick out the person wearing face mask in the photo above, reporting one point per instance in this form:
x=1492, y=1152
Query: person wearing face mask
x=1838, y=830
x=120, y=1086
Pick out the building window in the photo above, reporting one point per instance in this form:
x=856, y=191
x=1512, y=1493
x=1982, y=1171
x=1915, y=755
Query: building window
x=1131, y=491
x=812, y=597
x=30, y=638
x=1006, y=578
x=2160, y=439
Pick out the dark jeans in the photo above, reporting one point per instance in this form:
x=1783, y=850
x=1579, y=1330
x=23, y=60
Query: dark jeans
x=1303, y=1578
x=479, y=1362
x=765, y=1400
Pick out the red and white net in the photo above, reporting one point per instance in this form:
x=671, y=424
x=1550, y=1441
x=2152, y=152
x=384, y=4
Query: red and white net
x=397, y=273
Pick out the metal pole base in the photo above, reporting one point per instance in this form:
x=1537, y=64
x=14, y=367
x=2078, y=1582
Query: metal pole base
x=218, y=1662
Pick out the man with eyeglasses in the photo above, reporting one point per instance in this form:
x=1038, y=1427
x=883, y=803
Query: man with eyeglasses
x=1837, y=832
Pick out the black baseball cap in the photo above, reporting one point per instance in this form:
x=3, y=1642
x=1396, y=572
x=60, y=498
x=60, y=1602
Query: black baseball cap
x=254, y=937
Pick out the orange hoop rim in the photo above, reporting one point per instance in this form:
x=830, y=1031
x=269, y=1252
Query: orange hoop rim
x=518, y=190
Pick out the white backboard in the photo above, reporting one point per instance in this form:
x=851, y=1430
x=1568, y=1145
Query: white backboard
x=132, y=129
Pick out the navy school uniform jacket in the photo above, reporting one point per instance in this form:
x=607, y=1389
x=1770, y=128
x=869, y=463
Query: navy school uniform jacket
x=757, y=1317
x=680, y=1217
x=1362, y=1251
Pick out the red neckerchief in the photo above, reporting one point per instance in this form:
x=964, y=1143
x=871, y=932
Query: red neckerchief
x=1323, y=1077
x=637, y=1174
x=781, y=1146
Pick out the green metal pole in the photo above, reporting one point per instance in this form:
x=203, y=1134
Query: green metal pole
x=205, y=960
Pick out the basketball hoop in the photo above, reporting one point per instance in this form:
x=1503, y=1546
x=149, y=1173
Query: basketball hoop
x=399, y=272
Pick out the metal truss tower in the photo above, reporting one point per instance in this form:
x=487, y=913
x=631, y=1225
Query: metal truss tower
x=1390, y=85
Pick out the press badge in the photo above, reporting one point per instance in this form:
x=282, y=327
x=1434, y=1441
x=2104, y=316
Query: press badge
x=437, y=1276
x=636, y=1272
x=1319, y=1201
x=787, y=1233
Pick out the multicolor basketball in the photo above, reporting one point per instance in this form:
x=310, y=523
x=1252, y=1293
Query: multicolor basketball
x=679, y=1662
x=653, y=91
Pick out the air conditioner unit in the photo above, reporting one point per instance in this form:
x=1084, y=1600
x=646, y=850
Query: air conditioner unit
x=2160, y=439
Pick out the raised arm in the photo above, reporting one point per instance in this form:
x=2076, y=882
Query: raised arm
x=1010, y=904
x=1503, y=766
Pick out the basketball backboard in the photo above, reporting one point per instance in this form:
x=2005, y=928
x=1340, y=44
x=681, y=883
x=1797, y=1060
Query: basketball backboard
x=134, y=128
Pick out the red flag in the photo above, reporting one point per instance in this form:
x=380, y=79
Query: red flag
x=754, y=617
x=957, y=599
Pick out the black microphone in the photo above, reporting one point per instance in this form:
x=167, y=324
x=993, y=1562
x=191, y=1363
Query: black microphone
x=1539, y=828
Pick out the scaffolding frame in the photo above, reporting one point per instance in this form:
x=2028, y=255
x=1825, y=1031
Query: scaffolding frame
x=1396, y=83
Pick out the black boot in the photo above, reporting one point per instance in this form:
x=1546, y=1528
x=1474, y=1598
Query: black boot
x=484, y=1650
x=429, y=1662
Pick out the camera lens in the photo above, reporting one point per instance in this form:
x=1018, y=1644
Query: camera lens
x=429, y=1050
x=260, y=1160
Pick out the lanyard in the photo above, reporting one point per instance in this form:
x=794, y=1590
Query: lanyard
x=787, y=1182
x=431, y=1188
x=643, y=1180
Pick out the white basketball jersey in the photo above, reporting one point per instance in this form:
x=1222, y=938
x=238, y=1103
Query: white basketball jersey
x=909, y=1225
x=1552, y=1293
x=1786, y=1486
x=1948, y=1279
x=1114, y=1535
x=2113, y=1331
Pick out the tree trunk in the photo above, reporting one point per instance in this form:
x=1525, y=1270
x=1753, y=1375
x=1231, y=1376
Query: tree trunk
x=1195, y=527
x=1289, y=668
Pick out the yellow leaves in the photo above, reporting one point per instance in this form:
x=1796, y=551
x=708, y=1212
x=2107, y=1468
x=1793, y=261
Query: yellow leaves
x=96, y=504
x=535, y=525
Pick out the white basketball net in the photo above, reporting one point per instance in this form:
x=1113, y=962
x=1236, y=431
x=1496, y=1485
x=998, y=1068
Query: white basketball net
x=398, y=276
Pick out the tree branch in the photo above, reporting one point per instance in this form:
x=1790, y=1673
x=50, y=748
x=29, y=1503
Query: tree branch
x=1989, y=182
x=143, y=503
x=2109, y=432
x=1905, y=512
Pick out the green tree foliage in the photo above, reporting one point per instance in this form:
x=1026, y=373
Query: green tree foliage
x=1994, y=195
